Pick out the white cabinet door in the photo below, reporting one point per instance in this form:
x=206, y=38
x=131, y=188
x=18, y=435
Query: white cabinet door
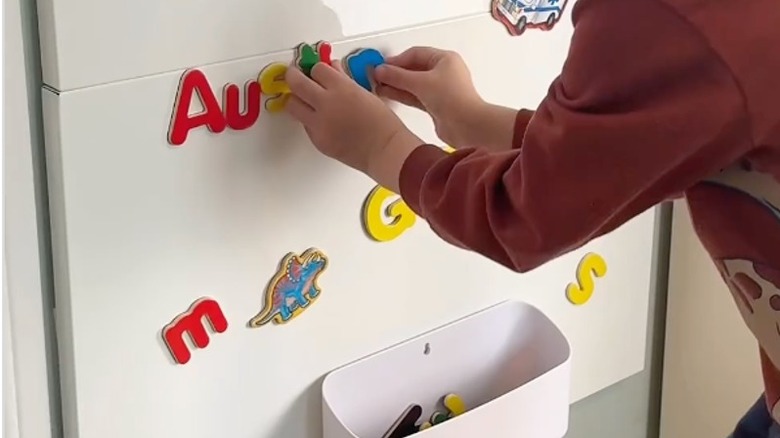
x=143, y=229
x=91, y=42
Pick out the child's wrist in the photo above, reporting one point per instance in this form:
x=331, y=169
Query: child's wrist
x=463, y=127
x=384, y=164
x=473, y=127
x=488, y=126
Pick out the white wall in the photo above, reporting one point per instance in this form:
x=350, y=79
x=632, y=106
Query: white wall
x=24, y=345
x=630, y=408
x=711, y=367
x=10, y=412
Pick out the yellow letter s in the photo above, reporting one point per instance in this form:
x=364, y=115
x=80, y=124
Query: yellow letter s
x=273, y=85
x=581, y=291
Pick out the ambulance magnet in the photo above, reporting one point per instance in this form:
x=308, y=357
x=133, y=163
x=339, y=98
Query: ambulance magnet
x=519, y=15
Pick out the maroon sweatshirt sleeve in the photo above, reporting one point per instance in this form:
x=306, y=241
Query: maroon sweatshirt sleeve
x=522, y=120
x=642, y=110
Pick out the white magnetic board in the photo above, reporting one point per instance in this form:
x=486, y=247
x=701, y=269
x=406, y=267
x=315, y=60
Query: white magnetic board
x=142, y=229
x=365, y=17
x=129, y=39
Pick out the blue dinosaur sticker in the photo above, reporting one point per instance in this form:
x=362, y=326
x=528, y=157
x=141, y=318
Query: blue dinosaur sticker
x=293, y=288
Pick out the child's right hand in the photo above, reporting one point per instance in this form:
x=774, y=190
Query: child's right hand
x=435, y=81
x=439, y=82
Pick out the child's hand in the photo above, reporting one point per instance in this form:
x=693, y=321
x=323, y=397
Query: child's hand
x=349, y=124
x=437, y=82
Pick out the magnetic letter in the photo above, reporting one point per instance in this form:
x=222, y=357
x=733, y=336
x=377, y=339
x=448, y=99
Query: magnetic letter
x=325, y=51
x=235, y=118
x=191, y=322
x=359, y=63
x=274, y=86
x=591, y=265
x=194, y=81
x=402, y=217
x=306, y=58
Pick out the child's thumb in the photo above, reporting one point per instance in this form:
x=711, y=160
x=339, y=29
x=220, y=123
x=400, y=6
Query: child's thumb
x=397, y=77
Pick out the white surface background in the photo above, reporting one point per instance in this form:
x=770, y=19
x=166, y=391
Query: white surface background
x=25, y=380
x=89, y=42
x=141, y=230
x=372, y=16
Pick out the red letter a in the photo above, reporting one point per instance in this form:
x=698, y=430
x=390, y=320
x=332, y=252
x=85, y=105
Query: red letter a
x=181, y=121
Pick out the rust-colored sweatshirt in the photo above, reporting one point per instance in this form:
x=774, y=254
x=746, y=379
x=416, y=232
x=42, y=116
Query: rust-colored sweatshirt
x=657, y=98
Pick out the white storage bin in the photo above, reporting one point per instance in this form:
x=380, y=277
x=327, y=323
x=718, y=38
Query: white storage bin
x=509, y=363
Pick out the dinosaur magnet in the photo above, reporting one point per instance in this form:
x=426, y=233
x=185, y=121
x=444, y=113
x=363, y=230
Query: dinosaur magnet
x=293, y=288
x=406, y=424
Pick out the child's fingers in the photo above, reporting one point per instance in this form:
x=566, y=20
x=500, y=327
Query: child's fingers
x=400, y=96
x=299, y=110
x=416, y=58
x=326, y=76
x=400, y=78
x=306, y=89
x=338, y=66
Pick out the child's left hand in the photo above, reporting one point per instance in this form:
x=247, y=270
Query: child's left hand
x=350, y=124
